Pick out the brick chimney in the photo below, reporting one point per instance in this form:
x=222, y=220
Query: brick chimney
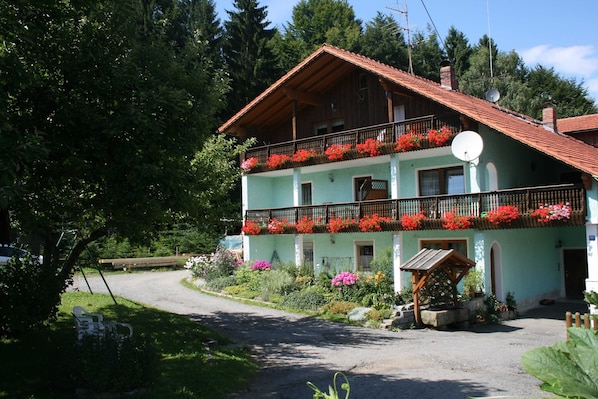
x=448, y=79
x=549, y=117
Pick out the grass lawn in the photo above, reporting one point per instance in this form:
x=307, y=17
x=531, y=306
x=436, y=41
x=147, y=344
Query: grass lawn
x=36, y=365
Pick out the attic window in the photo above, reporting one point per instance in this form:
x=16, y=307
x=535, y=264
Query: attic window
x=363, y=81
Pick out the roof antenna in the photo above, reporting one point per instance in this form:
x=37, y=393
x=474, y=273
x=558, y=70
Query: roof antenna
x=408, y=30
x=492, y=95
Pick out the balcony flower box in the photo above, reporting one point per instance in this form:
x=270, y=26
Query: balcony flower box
x=336, y=152
x=251, y=228
x=452, y=221
x=547, y=213
x=371, y=147
x=249, y=164
x=413, y=222
x=302, y=156
x=503, y=215
x=440, y=137
x=372, y=223
x=305, y=225
x=276, y=226
x=337, y=224
x=276, y=161
x=409, y=141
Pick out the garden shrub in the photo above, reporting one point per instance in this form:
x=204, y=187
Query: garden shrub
x=378, y=314
x=339, y=307
x=405, y=296
x=200, y=266
x=29, y=295
x=112, y=365
x=220, y=283
x=224, y=263
x=251, y=278
x=277, y=282
x=303, y=300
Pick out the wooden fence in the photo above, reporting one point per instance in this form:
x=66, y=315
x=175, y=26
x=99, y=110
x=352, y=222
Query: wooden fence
x=578, y=320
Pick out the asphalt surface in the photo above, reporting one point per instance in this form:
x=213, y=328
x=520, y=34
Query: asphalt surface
x=293, y=349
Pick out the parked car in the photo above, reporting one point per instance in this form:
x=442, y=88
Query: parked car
x=8, y=251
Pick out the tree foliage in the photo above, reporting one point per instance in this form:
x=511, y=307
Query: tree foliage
x=383, y=40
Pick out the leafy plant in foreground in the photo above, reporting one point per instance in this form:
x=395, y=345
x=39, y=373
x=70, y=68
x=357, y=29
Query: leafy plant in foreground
x=567, y=369
x=332, y=389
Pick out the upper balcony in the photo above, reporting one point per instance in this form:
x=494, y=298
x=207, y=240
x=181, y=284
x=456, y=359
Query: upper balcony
x=407, y=135
x=546, y=206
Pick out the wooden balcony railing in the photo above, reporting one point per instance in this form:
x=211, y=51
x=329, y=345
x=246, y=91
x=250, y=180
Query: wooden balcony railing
x=475, y=206
x=387, y=134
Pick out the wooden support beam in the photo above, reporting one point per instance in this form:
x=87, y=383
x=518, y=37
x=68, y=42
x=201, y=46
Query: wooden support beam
x=301, y=96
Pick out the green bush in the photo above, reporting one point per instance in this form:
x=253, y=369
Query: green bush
x=251, y=278
x=113, y=365
x=339, y=307
x=378, y=314
x=29, y=295
x=220, y=283
x=277, y=282
x=303, y=300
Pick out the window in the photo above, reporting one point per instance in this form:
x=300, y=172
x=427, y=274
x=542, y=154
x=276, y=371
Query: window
x=308, y=253
x=458, y=245
x=331, y=126
x=441, y=181
x=306, y=198
x=365, y=254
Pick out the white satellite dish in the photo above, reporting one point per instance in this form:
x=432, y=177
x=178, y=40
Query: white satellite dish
x=493, y=95
x=467, y=146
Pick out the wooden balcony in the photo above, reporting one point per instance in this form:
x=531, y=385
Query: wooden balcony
x=475, y=206
x=387, y=134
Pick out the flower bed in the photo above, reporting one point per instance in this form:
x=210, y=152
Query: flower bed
x=336, y=152
x=372, y=223
x=409, y=141
x=370, y=147
x=413, y=222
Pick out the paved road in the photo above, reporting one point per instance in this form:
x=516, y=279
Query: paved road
x=294, y=349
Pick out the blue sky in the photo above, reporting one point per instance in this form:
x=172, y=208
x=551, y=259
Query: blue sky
x=558, y=34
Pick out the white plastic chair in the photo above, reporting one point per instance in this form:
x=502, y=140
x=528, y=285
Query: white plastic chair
x=88, y=323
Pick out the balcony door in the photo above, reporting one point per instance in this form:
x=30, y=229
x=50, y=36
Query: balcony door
x=364, y=253
x=358, y=193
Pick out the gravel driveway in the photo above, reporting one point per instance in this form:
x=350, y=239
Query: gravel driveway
x=294, y=349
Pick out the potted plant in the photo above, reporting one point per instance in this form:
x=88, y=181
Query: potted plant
x=372, y=223
x=504, y=214
x=337, y=224
x=277, y=226
x=249, y=164
x=547, y=213
x=336, y=152
x=452, y=221
x=371, y=147
x=439, y=137
x=473, y=283
x=409, y=141
x=276, y=161
x=302, y=156
x=305, y=225
x=413, y=222
x=251, y=228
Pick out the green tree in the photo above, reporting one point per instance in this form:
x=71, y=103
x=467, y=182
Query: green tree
x=427, y=56
x=383, y=40
x=458, y=50
x=122, y=109
x=569, y=96
x=247, y=50
x=314, y=23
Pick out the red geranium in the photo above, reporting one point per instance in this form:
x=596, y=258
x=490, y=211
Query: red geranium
x=304, y=155
x=336, y=152
x=277, y=226
x=251, y=228
x=504, y=214
x=452, y=221
x=305, y=225
x=372, y=223
x=249, y=164
x=276, y=161
x=413, y=222
x=371, y=147
x=409, y=141
x=439, y=137
x=338, y=224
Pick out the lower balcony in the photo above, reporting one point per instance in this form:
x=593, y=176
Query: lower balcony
x=533, y=207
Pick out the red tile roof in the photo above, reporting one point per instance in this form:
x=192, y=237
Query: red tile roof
x=521, y=128
x=578, y=124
